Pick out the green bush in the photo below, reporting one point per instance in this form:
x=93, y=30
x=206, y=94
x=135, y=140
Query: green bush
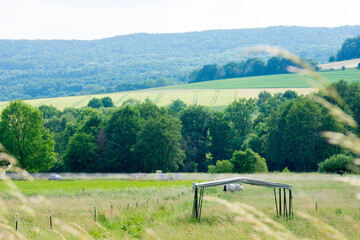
x=224, y=166
x=95, y=103
x=286, y=170
x=332, y=58
x=248, y=161
x=335, y=163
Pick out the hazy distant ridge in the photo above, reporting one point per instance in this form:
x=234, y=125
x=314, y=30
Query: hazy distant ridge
x=49, y=68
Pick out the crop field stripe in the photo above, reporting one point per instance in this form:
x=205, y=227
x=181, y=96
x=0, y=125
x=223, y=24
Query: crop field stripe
x=158, y=97
x=215, y=97
x=120, y=99
x=81, y=100
x=196, y=95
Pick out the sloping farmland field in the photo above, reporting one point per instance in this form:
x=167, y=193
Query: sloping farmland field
x=270, y=81
x=206, y=97
x=212, y=93
x=338, y=65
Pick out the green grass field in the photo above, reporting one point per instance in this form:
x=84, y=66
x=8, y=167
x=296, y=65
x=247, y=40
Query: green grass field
x=270, y=81
x=164, y=210
x=213, y=93
x=75, y=186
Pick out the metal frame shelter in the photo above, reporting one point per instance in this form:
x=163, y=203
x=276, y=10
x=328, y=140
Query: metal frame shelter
x=283, y=208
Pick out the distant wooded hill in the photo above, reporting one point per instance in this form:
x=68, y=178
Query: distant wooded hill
x=350, y=49
x=50, y=68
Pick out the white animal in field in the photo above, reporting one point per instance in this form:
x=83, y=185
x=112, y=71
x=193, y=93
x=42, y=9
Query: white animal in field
x=234, y=187
x=55, y=177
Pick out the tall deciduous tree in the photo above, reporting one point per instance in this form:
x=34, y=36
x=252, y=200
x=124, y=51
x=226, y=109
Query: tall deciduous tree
x=95, y=103
x=350, y=49
x=176, y=106
x=81, y=154
x=294, y=140
x=220, y=133
x=49, y=111
x=23, y=134
x=122, y=131
x=248, y=162
x=158, y=146
x=240, y=114
x=107, y=102
x=196, y=121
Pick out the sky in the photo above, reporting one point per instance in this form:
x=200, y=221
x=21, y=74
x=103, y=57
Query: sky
x=95, y=19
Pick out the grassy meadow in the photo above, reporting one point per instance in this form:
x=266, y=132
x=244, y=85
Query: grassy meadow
x=213, y=93
x=270, y=81
x=164, y=209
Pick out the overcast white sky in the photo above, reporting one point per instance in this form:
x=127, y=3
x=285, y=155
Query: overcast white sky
x=94, y=19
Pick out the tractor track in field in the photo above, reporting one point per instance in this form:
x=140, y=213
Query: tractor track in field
x=120, y=99
x=196, y=97
x=215, y=97
x=80, y=101
x=158, y=97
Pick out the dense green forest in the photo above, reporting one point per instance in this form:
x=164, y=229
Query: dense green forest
x=350, y=49
x=248, y=68
x=268, y=133
x=51, y=68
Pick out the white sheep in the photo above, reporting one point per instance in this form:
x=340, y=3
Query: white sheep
x=233, y=187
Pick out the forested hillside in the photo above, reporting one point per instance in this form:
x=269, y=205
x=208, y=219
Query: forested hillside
x=50, y=68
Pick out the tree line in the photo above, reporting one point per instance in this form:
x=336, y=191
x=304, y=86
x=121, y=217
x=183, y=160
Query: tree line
x=270, y=133
x=248, y=68
x=350, y=49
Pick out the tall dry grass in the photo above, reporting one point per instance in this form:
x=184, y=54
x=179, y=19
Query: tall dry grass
x=25, y=204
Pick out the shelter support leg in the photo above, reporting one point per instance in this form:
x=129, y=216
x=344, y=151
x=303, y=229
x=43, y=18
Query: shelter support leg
x=280, y=202
x=285, y=205
x=291, y=210
x=277, y=211
x=195, y=204
x=200, y=202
